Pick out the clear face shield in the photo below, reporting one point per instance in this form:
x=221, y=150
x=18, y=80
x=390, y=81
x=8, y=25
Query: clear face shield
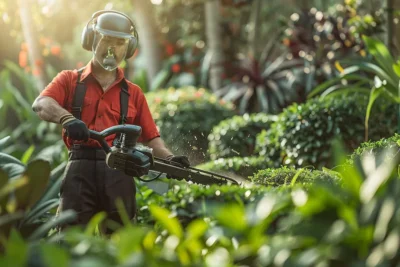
x=109, y=51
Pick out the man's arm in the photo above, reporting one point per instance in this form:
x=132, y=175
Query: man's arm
x=159, y=148
x=48, y=109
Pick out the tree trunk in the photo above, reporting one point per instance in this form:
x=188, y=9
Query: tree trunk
x=144, y=18
x=255, y=28
x=30, y=36
x=390, y=25
x=214, y=43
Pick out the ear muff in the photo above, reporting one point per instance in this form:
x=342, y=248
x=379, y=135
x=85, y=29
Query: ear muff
x=88, y=34
x=131, y=47
x=87, y=38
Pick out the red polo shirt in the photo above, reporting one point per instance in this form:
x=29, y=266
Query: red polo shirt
x=101, y=110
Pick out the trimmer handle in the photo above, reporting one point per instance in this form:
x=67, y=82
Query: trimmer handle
x=132, y=133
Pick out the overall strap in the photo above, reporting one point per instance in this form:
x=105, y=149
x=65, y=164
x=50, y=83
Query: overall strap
x=123, y=100
x=79, y=96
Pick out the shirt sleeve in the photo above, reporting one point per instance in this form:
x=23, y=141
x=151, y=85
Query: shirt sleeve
x=145, y=120
x=58, y=88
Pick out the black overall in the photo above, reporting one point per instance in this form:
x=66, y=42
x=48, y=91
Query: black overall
x=89, y=185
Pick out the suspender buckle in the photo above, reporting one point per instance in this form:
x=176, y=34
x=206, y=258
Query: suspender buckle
x=77, y=109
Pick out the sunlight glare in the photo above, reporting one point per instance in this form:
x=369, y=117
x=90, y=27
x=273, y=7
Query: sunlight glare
x=156, y=2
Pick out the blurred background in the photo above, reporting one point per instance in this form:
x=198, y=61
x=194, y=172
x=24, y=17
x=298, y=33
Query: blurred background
x=257, y=89
x=248, y=56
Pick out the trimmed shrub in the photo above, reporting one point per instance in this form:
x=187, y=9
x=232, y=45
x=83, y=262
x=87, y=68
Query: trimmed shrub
x=285, y=176
x=186, y=117
x=303, y=134
x=244, y=167
x=236, y=136
x=376, y=149
x=189, y=202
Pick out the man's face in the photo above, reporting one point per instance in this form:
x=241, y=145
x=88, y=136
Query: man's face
x=110, y=51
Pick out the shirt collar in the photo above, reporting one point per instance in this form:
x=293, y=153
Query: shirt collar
x=88, y=70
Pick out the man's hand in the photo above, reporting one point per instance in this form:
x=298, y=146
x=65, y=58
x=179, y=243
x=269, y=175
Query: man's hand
x=76, y=129
x=182, y=160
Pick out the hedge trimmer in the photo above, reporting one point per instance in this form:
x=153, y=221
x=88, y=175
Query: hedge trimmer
x=137, y=160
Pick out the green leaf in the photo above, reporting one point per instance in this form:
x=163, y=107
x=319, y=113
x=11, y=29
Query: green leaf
x=3, y=141
x=54, y=255
x=94, y=222
x=374, y=69
x=294, y=179
x=375, y=93
x=40, y=210
x=27, y=155
x=5, y=159
x=16, y=252
x=196, y=229
x=160, y=80
x=3, y=183
x=351, y=178
x=171, y=224
x=128, y=240
x=381, y=54
x=376, y=179
x=396, y=68
x=13, y=184
x=37, y=173
x=232, y=216
x=62, y=218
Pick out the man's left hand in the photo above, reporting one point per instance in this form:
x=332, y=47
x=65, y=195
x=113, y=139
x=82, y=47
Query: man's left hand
x=182, y=160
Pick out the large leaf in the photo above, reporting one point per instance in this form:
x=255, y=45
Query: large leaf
x=27, y=155
x=381, y=54
x=38, y=174
x=62, y=218
x=3, y=141
x=333, y=83
x=55, y=255
x=13, y=170
x=171, y=224
x=373, y=69
x=94, y=222
x=40, y=210
x=16, y=252
x=160, y=80
x=352, y=179
x=5, y=159
x=3, y=182
x=375, y=93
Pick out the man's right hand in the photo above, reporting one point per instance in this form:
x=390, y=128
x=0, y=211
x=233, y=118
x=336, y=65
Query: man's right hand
x=76, y=130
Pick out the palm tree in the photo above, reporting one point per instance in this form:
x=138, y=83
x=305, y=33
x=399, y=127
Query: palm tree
x=143, y=15
x=214, y=42
x=30, y=36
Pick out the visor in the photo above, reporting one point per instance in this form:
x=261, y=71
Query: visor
x=113, y=33
x=109, y=50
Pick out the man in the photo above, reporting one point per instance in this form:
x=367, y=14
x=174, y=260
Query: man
x=97, y=98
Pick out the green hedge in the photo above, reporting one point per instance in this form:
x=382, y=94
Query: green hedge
x=186, y=117
x=189, y=202
x=236, y=136
x=244, y=167
x=390, y=145
x=285, y=175
x=303, y=134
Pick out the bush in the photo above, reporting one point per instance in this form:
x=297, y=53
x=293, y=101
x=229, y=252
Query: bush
x=285, y=176
x=236, y=136
x=303, y=133
x=185, y=118
x=241, y=166
x=391, y=145
x=189, y=202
